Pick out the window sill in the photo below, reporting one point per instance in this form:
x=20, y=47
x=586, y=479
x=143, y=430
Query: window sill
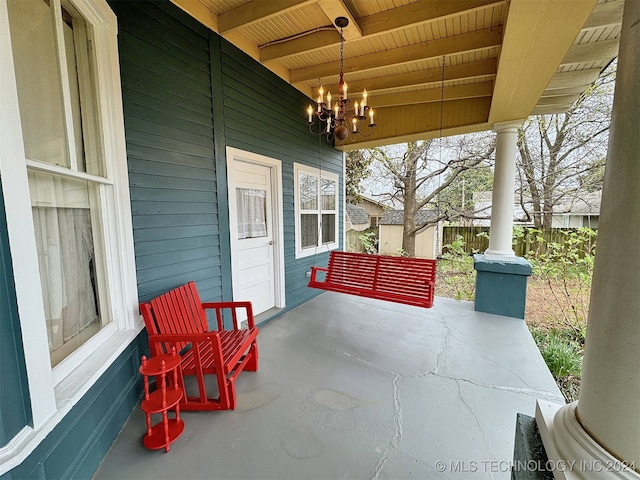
x=312, y=252
x=67, y=394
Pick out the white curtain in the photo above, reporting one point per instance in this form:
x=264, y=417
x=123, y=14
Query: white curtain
x=252, y=213
x=66, y=259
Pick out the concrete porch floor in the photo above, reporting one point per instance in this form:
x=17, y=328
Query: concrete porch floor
x=355, y=388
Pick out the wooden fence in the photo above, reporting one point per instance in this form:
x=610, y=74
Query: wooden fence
x=476, y=239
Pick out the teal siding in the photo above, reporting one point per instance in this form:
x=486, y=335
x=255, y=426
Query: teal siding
x=76, y=446
x=265, y=115
x=187, y=94
x=166, y=85
x=15, y=408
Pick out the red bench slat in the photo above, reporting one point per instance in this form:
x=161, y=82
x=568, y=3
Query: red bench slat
x=178, y=318
x=396, y=279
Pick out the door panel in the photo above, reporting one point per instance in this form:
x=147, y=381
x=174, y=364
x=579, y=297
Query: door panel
x=252, y=234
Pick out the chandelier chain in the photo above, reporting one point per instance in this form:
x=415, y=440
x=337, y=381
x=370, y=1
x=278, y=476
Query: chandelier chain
x=341, y=54
x=442, y=97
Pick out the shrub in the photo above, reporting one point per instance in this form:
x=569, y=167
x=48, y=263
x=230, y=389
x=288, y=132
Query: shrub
x=566, y=268
x=562, y=357
x=369, y=241
x=455, y=270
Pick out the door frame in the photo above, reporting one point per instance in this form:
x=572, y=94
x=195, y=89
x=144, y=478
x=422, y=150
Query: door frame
x=275, y=168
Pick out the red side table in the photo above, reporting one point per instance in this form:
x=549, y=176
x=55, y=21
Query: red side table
x=164, y=398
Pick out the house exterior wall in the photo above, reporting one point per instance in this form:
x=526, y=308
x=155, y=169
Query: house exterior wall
x=574, y=221
x=177, y=129
x=391, y=241
x=187, y=95
x=260, y=114
x=14, y=406
x=76, y=446
x=170, y=148
x=374, y=210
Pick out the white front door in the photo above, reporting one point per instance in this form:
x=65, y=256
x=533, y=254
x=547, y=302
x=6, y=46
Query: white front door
x=253, y=233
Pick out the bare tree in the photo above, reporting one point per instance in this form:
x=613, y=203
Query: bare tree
x=559, y=153
x=415, y=174
x=357, y=167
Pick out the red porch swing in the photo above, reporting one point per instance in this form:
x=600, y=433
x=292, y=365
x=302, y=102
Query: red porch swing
x=396, y=279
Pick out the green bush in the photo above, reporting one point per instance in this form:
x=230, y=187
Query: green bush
x=369, y=241
x=566, y=268
x=563, y=357
x=456, y=270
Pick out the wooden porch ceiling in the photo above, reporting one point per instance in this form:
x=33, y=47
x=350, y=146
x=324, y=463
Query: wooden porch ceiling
x=503, y=59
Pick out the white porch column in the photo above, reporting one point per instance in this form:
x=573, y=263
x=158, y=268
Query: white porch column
x=603, y=427
x=609, y=405
x=501, y=230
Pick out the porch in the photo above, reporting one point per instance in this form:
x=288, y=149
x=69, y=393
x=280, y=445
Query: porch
x=359, y=388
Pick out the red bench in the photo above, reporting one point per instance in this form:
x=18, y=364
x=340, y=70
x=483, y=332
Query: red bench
x=395, y=279
x=178, y=318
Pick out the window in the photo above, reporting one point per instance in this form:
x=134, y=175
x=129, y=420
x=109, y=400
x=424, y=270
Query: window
x=64, y=178
x=56, y=95
x=252, y=213
x=316, y=200
x=64, y=168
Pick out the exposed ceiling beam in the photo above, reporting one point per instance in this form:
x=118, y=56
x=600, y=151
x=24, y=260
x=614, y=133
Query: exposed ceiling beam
x=569, y=79
x=563, y=101
x=433, y=76
x=255, y=11
x=200, y=12
x=538, y=34
x=378, y=24
x=418, y=122
x=418, y=13
x=591, y=52
x=605, y=14
x=465, y=42
x=573, y=90
x=453, y=92
x=337, y=8
x=308, y=43
x=549, y=109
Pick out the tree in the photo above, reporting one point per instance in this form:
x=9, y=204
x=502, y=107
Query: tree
x=419, y=172
x=593, y=178
x=458, y=196
x=561, y=155
x=357, y=166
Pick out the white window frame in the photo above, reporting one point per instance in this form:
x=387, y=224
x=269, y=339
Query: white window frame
x=53, y=392
x=299, y=168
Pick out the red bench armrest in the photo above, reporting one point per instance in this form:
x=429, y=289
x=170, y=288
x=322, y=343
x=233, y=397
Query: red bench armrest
x=219, y=307
x=314, y=273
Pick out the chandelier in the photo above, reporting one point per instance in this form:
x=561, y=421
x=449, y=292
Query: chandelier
x=336, y=120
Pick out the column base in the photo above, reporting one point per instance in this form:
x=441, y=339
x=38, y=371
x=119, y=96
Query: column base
x=501, y=285
x=572, y=453
x=491, y=254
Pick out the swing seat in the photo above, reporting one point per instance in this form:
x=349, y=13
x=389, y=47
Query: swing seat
x=395, y=279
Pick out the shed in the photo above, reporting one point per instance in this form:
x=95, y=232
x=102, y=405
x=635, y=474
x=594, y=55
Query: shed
x=428, y=240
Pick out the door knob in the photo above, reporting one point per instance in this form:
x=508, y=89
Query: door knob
x=270, y=242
